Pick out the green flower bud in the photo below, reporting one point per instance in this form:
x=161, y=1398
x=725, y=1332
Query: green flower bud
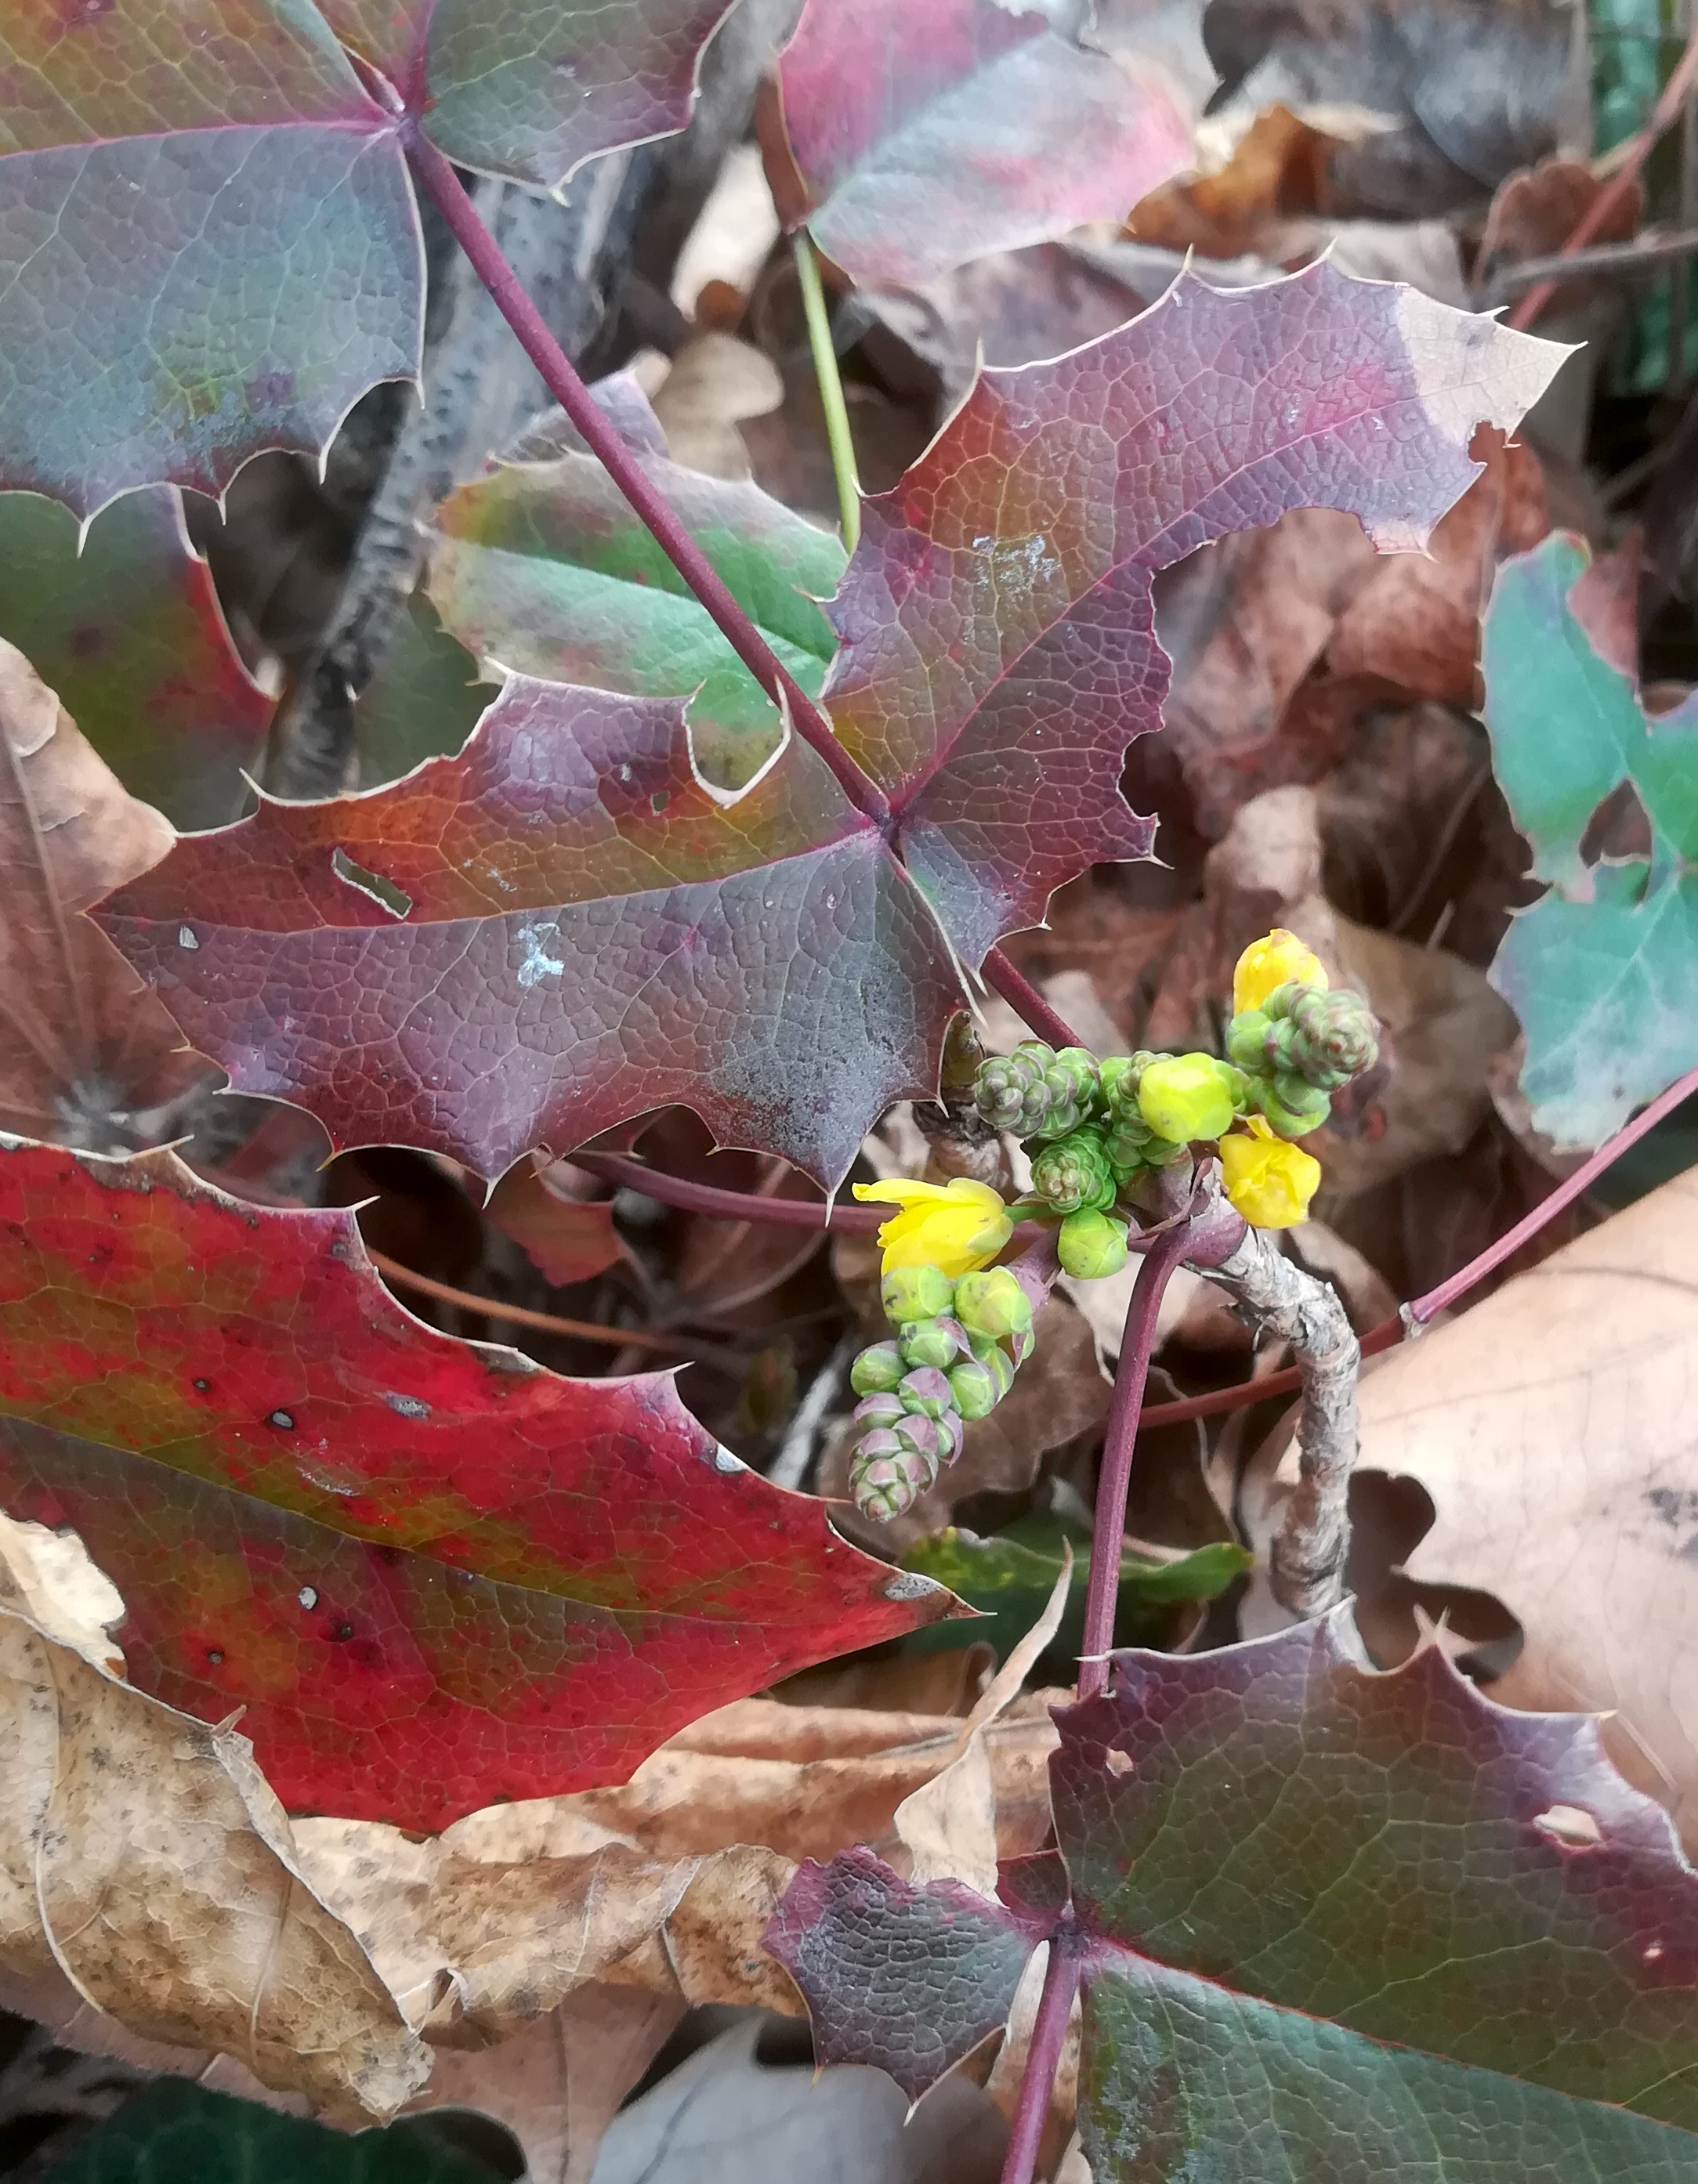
x=975, y=1389
x=926, y=1392
x=912, y=1293
x=992, y=1303
x=877, y=1369
x=1186, y=1096
x=929, y=1342
x=884, y=1409
x=1092, y=1245
x=926, y=1437
x=885, y=1478
x=1332, y=1037
x=1292, y=1108
x=1074, y=1172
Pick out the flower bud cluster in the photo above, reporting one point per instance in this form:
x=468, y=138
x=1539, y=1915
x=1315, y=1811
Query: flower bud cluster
x=1095, y=1129
x=953, y=1357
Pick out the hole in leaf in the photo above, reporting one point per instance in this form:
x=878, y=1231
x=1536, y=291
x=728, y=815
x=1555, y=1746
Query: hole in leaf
x=1118, y=1762
x=1571, y=1826
x=1619, y=830
x=396, y=900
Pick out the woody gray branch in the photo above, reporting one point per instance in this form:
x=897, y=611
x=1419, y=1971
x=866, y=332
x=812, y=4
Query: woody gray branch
x=1291, y=1304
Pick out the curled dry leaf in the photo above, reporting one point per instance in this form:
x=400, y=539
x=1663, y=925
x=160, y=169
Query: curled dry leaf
x=1551, y=1427
x=83, y=1043
x=144, y=1861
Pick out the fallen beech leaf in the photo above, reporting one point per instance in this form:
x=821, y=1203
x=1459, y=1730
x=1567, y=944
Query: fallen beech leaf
x=1598, y=971
x=563, y=927
x=82, y=1044
x=124, y=624
x=1550, y=1425
x=142, y=1854
x=1322, y=1910
x=433, y=1573
x=922, y=139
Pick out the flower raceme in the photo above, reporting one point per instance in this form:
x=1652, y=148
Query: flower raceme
x=957, y=1227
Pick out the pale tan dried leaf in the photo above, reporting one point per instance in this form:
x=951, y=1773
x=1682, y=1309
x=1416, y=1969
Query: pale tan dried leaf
x=1552, y=1427
x=143, y=1859
x=558, y=2082
x=716, y=380
x=948, y=1825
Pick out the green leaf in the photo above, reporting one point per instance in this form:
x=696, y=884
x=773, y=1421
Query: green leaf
x=128, y=631
x=1010, y=1577
x=1338, y=1925
x=542, y=566
x=173, y=2132
x=423, y=702
x=1599, y=970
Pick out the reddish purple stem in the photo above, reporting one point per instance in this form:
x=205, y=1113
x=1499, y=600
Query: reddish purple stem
x=1026, y=1002
x=728, y=1205
x=1108, y=1529
x=1048, y=2033
x=437, y=176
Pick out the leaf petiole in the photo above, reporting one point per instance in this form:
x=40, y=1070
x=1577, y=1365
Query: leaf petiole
x=830, y=379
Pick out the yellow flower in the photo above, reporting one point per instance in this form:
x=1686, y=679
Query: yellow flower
x=1268, y=1181
x=957, y=1227
x=1183, y=1096
x=1278, y=960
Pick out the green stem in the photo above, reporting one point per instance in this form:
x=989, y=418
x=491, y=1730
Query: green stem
x=830, y=386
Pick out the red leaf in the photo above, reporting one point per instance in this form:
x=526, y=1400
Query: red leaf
x=432, y=1572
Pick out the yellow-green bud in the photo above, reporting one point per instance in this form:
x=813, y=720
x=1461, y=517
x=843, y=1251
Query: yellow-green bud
x=1092, y=1245
x=992, y=1303
x=975, y=1388
x=1185, y=1096
x=937, y=1342
x=911, y=1293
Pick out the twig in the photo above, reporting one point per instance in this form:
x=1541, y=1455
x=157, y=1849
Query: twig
x=1114, y=1481
x=790, y=1466
x=1668, y=107
x=1043, y=2055
x=585, y=1330
x=1026, y=1002
x=830, y=383
x=1287, y=1300
x=1643, y=254
x=719, y=1205
x=446, y=189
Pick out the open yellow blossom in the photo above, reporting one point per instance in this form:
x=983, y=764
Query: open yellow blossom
x=1278, y=958
x=958, y=1226
x=1268, y=1181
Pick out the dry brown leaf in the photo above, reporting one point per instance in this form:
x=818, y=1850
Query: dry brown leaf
x=1278, y=168
x=716, y=382
x=948, y=1825
x=82, y=1042
x=1551, y=1426
x=144, y=1861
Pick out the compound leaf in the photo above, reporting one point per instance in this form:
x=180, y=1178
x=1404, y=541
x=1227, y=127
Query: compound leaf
x=1336, y=1924
x=923, y=136
x=1599, y=969
x=587, y=928
x=433, y=1574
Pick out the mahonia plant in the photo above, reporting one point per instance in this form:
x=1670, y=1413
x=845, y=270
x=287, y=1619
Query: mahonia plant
x=1097, y=1131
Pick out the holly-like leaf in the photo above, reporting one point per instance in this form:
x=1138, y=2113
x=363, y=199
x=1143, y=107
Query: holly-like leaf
x=542, y=566
x=923, y=136
x=1336, y=1924
x=127, y=629
x=208, y=240
x=587, y=933
x=83, y=1045
x=208, y=244
x=998, y=652
x=1599, y=969
x=433, y=1574
x=586, y=930
x=533, y=88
